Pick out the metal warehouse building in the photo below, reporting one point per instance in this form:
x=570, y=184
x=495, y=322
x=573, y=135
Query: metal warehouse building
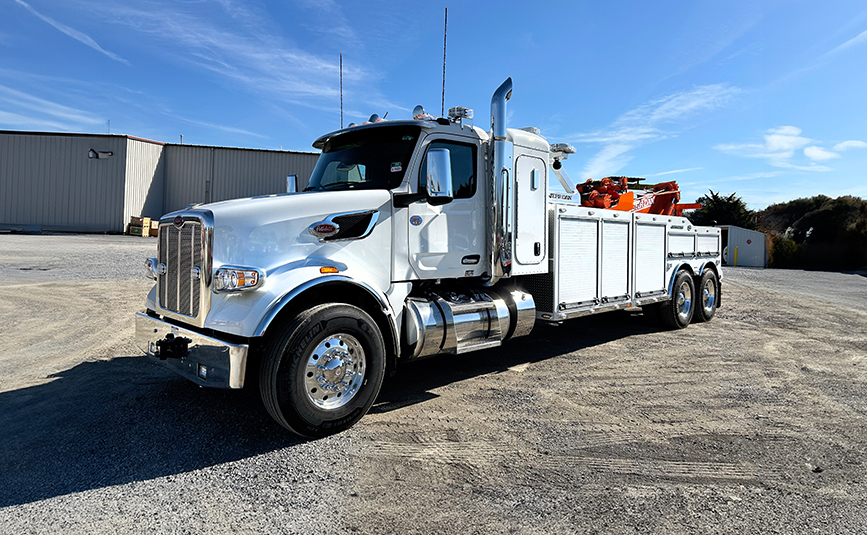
x=743, y=247
x=94, y=183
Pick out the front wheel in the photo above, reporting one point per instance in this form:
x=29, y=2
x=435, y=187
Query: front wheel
x=677, y=312
x=323, y=370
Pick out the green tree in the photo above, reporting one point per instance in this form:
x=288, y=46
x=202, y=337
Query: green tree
x=818, y=232
x=785, y=252
x=719, y=210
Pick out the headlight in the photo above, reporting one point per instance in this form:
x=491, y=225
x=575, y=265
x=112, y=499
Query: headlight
x=235, y=279
x=151, y=268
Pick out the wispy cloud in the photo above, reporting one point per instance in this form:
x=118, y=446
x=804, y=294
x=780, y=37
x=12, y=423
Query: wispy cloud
x=824, y=58
x=19, y=121
x=222, y=128
x=329, y=20
x=707, y=38
x=752, y=187
x=23, y=109
x=751, y=176
x=654, y=121
x=782, y=147
x=247, y=53
x=860, y=38
x=677, y=171
x=851, y=144
x=818, y=154
x=41, y=113
x=785, y=140
x=724, y=183
x=72, y=32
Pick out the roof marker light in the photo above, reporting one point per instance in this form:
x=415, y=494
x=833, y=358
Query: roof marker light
x=419, y=114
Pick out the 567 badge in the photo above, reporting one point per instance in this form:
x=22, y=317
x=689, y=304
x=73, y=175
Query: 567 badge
x=415, y=220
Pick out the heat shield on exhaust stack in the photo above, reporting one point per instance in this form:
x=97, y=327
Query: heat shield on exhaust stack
x=502, y=205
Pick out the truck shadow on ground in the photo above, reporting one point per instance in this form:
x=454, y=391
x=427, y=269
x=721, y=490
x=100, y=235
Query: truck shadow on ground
x=415, y=380
x=105, y=423
x=111, y=422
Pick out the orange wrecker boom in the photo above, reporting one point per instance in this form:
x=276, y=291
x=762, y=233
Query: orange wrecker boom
x=629, y=195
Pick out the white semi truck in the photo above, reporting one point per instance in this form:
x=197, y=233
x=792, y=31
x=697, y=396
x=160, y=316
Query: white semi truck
x=413, y=238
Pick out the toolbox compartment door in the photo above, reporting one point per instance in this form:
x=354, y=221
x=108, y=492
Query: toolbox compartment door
x=649, y=257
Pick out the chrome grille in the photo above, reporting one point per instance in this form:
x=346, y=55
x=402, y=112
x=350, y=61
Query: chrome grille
x=181, y=250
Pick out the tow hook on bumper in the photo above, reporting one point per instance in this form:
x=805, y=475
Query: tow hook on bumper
x=202, y=359
x=173, y=348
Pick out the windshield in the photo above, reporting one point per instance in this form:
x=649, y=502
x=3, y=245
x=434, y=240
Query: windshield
x=372, y=158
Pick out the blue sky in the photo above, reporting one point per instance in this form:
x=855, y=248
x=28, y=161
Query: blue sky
x=766, y=99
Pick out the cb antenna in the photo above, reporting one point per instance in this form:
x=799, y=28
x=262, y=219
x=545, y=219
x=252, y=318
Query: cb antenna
x=341, y=91
x=445, y=36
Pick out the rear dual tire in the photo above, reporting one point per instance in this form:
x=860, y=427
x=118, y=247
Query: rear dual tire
x=688, y=303
x=708, y=296
x=677, y=312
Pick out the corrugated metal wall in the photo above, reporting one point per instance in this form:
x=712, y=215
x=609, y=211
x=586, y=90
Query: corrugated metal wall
x=188, y=175
x=240, y=173
x=49, y=182
x=145, y=178
x=210, y=174
x=749, y=245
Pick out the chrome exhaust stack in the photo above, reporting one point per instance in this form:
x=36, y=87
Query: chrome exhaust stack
x=502, y=205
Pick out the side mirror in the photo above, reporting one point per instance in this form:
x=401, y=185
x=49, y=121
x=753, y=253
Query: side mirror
x=439, y=177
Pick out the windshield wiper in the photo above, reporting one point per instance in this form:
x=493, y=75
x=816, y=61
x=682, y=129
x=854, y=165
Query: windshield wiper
x=344, y=183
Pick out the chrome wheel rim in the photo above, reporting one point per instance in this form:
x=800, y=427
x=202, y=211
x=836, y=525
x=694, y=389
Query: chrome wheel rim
x=684, y=301
x=708, y=295
x=335, y=371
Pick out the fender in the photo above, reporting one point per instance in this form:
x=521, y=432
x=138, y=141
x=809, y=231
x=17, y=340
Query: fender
x=674, y=273
x=719, y=279
x=380, y=298
x=711, y=265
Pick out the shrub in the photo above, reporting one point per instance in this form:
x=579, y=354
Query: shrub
x=817, y=233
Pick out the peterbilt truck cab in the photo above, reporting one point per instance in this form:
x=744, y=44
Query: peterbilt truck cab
x=412, y=238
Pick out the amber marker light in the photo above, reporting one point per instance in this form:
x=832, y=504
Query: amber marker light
x=328, y=269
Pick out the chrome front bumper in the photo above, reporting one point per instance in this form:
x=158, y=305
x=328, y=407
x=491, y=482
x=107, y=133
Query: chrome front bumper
x=204, y=360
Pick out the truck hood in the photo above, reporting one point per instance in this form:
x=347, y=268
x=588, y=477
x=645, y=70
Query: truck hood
x=271, y=231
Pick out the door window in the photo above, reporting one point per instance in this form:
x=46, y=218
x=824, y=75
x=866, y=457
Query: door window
x=463, y=160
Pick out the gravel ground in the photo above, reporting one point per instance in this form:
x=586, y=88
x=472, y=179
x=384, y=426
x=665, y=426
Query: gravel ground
x=832, y=288
x=63, y=257
x=755, y=422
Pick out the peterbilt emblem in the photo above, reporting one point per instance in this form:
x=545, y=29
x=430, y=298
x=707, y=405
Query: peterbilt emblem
x=179, y=221
x=323, y=230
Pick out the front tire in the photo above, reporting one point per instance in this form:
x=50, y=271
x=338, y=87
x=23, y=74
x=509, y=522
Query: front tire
x=323, y=370
x=677, y=312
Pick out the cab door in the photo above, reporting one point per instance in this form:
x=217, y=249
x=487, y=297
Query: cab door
x=448, y=241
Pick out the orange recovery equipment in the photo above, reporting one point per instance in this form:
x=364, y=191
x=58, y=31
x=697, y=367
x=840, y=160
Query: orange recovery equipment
x=627, y=194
